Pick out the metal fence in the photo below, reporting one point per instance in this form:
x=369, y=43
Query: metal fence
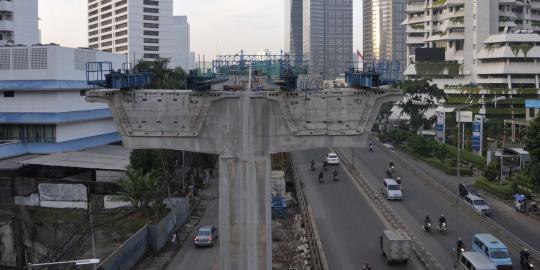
x=129, y=253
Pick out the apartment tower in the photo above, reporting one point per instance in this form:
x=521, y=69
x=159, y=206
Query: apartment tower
x=19, y=22
x=140, y=29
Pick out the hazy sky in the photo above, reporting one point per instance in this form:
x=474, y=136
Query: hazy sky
x=222, y=26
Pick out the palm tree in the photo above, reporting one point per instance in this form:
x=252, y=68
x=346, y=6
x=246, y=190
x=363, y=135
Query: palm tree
x=145, y=191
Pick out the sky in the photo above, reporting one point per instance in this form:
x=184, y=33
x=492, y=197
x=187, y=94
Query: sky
x=217, y=26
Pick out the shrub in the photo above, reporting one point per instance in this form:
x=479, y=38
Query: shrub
x=491, y=172
x=503, y=191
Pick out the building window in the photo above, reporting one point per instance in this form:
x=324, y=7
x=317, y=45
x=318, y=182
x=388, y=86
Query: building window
x=106, y=44
x=122, y=25
x=93, y=19
x=121, y=18
x=106, y=8
x=151, y=40
x=28, y=133
x=151, y=2
x=121, y=49
x=120, y=3
x=151, y=10
x=120, y=10
x=106, y=29
x=106, y=36
x=93, y=33
x=151, y=48
x=151, y=55
x=151, y=25
x=93, y=26
x=92, y=40
x=107, y=22
x=107, y=50
x=121, y=33
x=9, y=93
x=151, y=33
x=122, y=40
x=151, y=18
x=93, y=13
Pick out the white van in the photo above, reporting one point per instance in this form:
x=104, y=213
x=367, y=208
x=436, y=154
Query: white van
x=470, y=260
x=391, y=189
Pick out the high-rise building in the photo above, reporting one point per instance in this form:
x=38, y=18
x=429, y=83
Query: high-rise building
x=19, y=22
x=477, y=49
x=328, y=36
x=293, y=29
x=384, y=35
x=141, y=29
x=182, y=42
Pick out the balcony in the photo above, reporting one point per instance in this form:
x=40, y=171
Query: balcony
x=6, y=6
x=415, y=8
x=416, y=40
x=6, y=25
x=438, y=68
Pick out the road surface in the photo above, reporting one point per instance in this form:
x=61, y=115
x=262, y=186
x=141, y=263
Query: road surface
x=420, y=200
x=348, y=226
x=206, y=258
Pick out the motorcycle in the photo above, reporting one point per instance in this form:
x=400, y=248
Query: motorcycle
x=427, y=227
x=370, y=148
x=442, y=228
x=526, y=261
x=312, y=166
x=335, y=178
x=325, y=166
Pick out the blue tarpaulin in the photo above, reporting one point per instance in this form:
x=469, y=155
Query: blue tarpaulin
x=532, y=103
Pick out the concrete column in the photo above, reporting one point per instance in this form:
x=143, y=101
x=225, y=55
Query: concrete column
x=509, y=81
x=537, y=81
x=244, y=213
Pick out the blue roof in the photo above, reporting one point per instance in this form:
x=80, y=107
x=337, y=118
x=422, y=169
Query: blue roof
x=490, y=240
x=44, y=85
x=54, y=118
x=532, y=103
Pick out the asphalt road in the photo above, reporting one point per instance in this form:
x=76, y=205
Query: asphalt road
x=348, y=226
x=190, y=257
x=421, y=200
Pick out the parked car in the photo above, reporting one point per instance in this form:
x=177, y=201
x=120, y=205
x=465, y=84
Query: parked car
x=332, y=158
x=206, y=236
x=478, y=204
x=391, y=190
x=467, y=188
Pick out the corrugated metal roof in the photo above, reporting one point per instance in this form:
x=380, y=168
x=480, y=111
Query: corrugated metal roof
x=26, y=85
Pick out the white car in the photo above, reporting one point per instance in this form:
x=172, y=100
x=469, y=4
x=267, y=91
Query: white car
x=391, y=190
x=332, y=158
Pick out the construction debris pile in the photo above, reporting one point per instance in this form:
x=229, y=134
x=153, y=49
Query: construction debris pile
x=290, y=246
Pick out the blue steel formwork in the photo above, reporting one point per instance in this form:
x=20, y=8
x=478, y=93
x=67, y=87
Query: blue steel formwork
x=102, y=74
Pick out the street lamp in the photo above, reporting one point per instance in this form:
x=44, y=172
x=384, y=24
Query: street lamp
x=76, y=262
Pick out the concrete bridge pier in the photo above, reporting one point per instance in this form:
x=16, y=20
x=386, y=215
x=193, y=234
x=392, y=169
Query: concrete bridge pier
x=244, y=213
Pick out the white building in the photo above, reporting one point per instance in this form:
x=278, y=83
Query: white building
x=42, y=101
x=19, y=22
x=487, y=44
x=139, y=29
x=328, y=36
x=182, y=43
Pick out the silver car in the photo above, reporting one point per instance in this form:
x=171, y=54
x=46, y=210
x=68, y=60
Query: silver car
x=478, y=204
x=206, y=236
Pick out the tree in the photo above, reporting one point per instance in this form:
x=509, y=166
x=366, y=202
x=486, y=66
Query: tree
x=419, y=95
x=162, y=76
x=532, y=144
x=491, y=172
x=145, y=191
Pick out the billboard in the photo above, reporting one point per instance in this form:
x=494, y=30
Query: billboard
x=464, y=117
x=477, y=135
x=440, y=126
x=429, y=55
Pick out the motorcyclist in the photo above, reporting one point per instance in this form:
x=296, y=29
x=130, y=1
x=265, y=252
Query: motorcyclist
x=325, y=164
x=442, y=219
x=524, y=256
x=312, y=164
x=335, y=175
x=321, y=175
x=391, y=165
x=460, y=246
x=366, y=266
x=371, y=147
x=427, y=221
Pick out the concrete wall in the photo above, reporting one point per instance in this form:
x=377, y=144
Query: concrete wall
x=129, y=253
x=63, y=195
x=7, y=245
x=109, y=176
x=47, y=102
